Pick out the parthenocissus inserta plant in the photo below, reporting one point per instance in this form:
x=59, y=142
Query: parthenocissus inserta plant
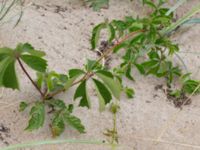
x=144, y=44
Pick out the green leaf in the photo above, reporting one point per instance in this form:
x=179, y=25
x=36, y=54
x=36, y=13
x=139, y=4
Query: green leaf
x=96, y=34
x=149, y=3
x=111, y=32
x=191, y=86
x=52, y=80
x=75, y=72
x=73, y=121
x=176, y=93
x=129, y=92
x=119, y=46
x=29, y=49
x=37, y=114
x=185, y=77
x=22, y=106
x=40, y=79
x=98, y=4
x=128, y=73
x=35, y=62
x=140, y=68
x=56, y=103
x=8, y=76
x=137, y=39
x=3, y=65
x=103, y=94
x=106, y=73
x=81, y=92
x=5, y=50
x=136, y=26
x=58, y=125
x=92, y=65
x=112, y=84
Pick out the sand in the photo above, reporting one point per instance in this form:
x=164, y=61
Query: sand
x=64, y=36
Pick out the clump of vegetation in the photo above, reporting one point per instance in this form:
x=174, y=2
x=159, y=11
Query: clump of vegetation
x=97, y=4
x=144, y=43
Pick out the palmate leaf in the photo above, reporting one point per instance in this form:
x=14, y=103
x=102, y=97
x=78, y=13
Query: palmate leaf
x=37, y=114
x=110, y=82
x=64, y=117
x=35, y=62
x=103, y=94
x=81, y=92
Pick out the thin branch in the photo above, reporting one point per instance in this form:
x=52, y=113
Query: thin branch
x=29, y=77
x=107, y=52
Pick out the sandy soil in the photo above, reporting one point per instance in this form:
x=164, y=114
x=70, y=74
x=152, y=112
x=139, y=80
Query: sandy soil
x=64, y=35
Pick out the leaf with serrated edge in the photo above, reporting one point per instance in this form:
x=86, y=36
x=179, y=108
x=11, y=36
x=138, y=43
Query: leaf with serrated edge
x=58, y=125
x=35, y=62
x=37, y=114
x=73, y=121
x=29, y=49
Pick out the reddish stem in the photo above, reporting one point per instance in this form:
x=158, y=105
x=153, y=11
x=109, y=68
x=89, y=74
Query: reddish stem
x=107, y=52
x=29, y=77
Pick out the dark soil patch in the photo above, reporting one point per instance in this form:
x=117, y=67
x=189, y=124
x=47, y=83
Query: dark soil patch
x=104, y=46
x=158, y=87
x=4, y=129
x=178, y=102
x=4, y=133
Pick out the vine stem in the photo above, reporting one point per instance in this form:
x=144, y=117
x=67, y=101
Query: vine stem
x=107, y=52
x=114, y=131
x=29, y=77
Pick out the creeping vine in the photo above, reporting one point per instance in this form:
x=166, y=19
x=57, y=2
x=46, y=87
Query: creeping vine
x=143, y=43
